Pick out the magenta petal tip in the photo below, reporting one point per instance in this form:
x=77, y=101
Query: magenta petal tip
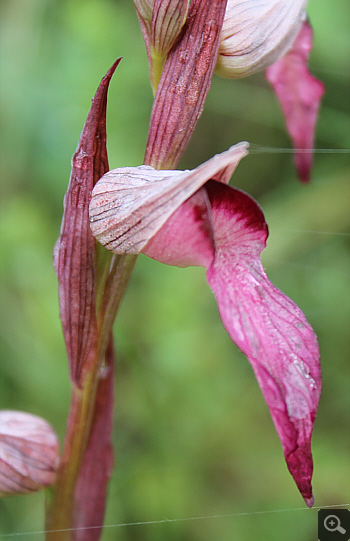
x=310, y=501
x=300, y=96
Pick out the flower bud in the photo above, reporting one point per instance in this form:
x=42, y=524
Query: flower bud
x=28, y=453
x=161, y=23
x=144, y=10
x=256, y=33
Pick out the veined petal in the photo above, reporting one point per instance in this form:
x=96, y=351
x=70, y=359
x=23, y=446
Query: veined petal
x=168, y=19
x=300, y=95
x=267, y=326
x=161, y=22
x=255, y=34
x=28, y=453
x=129, y=205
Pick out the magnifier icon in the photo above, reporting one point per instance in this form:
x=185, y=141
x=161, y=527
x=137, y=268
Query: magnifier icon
x=332, y=524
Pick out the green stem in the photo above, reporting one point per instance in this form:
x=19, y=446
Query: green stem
x=60, y=516
x=157, y=66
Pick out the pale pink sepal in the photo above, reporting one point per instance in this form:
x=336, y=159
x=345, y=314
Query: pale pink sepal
x=129, y=205
x=267, y=326
x=161, y=22
x=97, y=466
x=28, y=453
x=300, y=95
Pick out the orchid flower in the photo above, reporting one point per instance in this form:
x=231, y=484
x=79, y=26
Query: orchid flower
x=195, y=218
x=275, y=34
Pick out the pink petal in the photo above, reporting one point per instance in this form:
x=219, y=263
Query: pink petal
x=266, y=325
x=129, y=205
x=224, y=230
x=96, y=469
x=186, y=238
x=299, y=94
x=75, y=250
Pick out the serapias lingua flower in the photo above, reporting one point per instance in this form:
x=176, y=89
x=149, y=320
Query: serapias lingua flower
x=194, y=218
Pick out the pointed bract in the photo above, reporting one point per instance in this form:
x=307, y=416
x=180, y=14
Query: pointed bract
x=28, y=453
x=75, y=250
x=184, y=84
x=300, y=95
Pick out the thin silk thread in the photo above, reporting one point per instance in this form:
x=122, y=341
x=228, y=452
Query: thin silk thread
x=260, y=149
x=165, y=520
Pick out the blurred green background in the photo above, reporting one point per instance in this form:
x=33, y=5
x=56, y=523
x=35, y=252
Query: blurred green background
x=193, y=436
